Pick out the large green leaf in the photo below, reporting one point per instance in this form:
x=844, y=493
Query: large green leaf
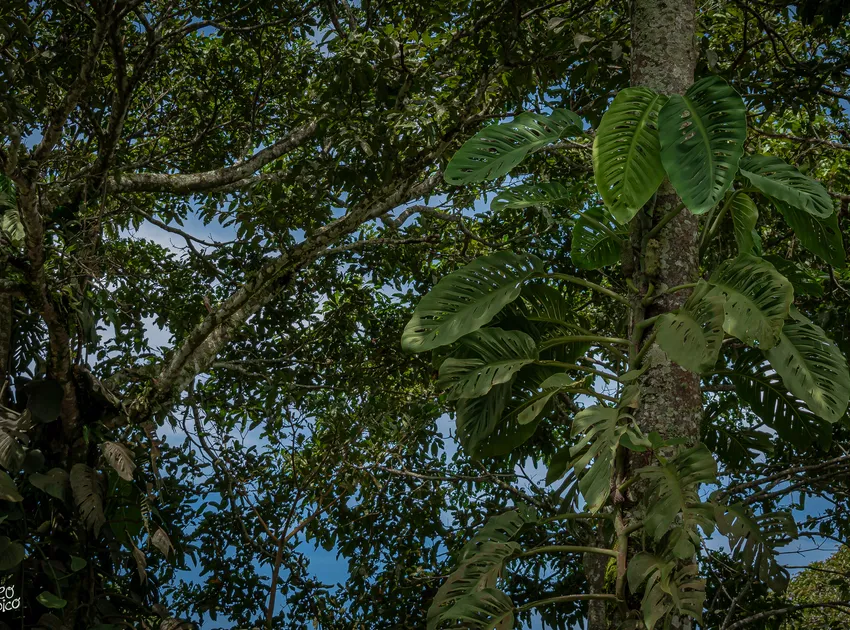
x=494, y=357
x=627, y=152
x=753, y=539
x=804, y=279
x=702, y=140
x=11, y=553
x=758, y=299
x=500, y=528
x=733, y=446
x=88, y=495
x=785, y=185
x=761, y=388
x=477, y=418
x=674, y=498
x=495, y=150
x=466, y=299
x=487, y=609
x=533, y=407
x=668, y=586
x=693, y=336
x=8, y=489
x=822, y=237
x=744, y=218
x=11, y=453
x=812, y=367
x=54, y=482
x=596, y=241
x=526, y=195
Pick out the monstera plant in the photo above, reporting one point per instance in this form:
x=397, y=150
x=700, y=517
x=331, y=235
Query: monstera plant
x=516, y=347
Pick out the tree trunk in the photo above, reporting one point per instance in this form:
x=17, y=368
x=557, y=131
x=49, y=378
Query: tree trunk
x=663, y=58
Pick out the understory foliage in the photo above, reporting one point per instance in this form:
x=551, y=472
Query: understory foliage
x=519, y=350
x=217, y=217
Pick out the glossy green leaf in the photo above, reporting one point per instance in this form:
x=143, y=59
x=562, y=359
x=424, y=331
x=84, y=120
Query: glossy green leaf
x=627, y=152
x=822, y=237
x=812, y=367
x=668, y=587
x=744, y=218
x=478, y=417
x=597, y=240
x=702, y=140
x=526, y=195
x=487, y=609
x=786, y=186
x=492, y=356
x=49, y=600
x=693, y=336
x=466, y=299
x=804, y=279
x=758, y=299
x=496, y=150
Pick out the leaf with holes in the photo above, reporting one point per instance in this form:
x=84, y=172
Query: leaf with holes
x=786, y=186
x=758, y=299
x=487, y=609
x=493, y=356
x=477, y=418
x=812, y=367
x=597, y=242
x=627, y=152
x=805, y=280
x=88, y=495
x=753, y=540
x=496, y=150
x=668, y=587
x=466, y=299
x=744, y=218
x=674, y=497
x=526, y=195
x=702, y=140
x=736, y=448
x=693, y=336
x=822, y=237
x=760, y=387
x=120, y=458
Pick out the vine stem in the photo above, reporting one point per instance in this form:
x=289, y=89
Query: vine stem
x=565, y=598
x=580, y=368
x=557, y=341
x=576, y=516
x=568, y=549
x=590, y=285
x=664, y=221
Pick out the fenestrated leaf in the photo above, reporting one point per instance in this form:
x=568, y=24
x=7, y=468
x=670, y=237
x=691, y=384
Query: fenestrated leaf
x=812, y=367
x=495, y=150
x=494, y=357
x=526, y=195
x=702, y=140
x=785, y=185
x=761, y=388
x=693, y=336
x=822, y=237
x=758, y=299
x=88, y=495
x=753, y=539
x=477, y=417
x=120, y=458
x=735, y=447
x=531, y=410
x=54, y=482
x=487, y=609
x=11, y=453
x=8, y=489
x=596, y=242
x=667, y=587
x=675, y=492
x=627, y=152
x=11, y=553
x=500, y=528
x=806, y=281
x=744, y=218
x=466, y=299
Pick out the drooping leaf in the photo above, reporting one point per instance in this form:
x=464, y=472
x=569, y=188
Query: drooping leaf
x=761, y=388
x=753, y=540
x=500, y=528
x=8, y=489
x=54, y=482
x=812, y=367
x=702, y=140
x=668, y=587
x=11, y=453
x=744, y=218
x=487, y=609
x=786, y=186
x=494, y=357
x=466, y=299
x=11, y=553
x=120, y=458
x=526, y=195
x=693, y=336
x=735, y=447
x=805, y=280
x=822, y=237
x=597, y=242
x=88, y=495
x=478, y=417
x=531, y=410
x=627, y=152
x=674, y=497
x=496, y=150
x=758, y=299
x=161, y=541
